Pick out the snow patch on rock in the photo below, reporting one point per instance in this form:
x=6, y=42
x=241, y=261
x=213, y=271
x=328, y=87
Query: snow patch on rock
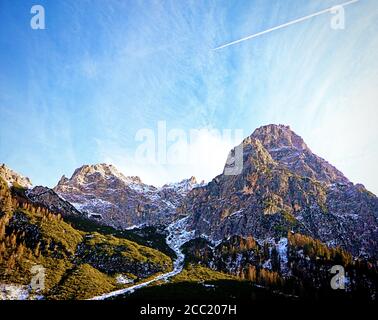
x=283, y=255
x=17, y=292
x=122, y=279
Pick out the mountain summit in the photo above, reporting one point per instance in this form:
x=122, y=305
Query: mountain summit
x=95, y=173
x=284, y=187
x=274, y=136
x=104, y=193
x=289, y=149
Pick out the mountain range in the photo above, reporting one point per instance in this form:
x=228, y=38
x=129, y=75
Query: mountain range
x=103, y=193
x=286, y=213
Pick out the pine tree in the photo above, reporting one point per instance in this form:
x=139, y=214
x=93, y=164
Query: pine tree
x=251, y=273
x=13, y=241
x=250, y=242
x=2, y=248
x=11, y=263
x=37, y=250
x=8, y=206
x=20, y=251
x=241, y=244
x=2, y=230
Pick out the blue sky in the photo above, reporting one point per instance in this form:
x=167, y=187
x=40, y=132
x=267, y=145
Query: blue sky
x=79, y=91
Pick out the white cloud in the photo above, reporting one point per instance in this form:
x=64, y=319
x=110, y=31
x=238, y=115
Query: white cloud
x=201, y=153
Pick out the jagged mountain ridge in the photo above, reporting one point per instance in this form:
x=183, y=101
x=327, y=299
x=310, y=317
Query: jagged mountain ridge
x=283, y=186
x=254, y=224
x=11, y=177
x=103, y=193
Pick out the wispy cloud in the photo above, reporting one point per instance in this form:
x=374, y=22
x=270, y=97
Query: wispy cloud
x=201, y=153
x=101, y=72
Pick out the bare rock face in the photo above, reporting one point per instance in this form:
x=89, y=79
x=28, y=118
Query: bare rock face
x=12, y=177
x=289, y=149
x=285, y=187
x=49, y=199
x=102, y=192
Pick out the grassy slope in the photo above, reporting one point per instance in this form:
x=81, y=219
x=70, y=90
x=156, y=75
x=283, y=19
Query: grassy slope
x=83, y=282
x=148, y=236
x=197, y=273
x=36, y=237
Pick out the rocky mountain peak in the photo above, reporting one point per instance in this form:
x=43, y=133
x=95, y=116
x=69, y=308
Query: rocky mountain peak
x=63, y=180
x=193, y=180
x=102, y=192
x=284, y=186
x=96, y=173
x=12, y=177
x=190, y=181
x=288, y=149
x=274, y=137
x=183, y=187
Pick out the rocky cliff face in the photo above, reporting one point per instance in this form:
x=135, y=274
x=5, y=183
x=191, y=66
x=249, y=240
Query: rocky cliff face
x=12, y=177
x=285, y=187
x=48, y=198
x=105, y=194
x=289, y=149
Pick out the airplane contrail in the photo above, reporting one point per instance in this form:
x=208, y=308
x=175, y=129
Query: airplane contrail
x=286, y=24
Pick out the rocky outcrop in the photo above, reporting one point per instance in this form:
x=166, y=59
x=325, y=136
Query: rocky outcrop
x=284, y=187
x=48, y=198
x=102, y=192
x=14, y=178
